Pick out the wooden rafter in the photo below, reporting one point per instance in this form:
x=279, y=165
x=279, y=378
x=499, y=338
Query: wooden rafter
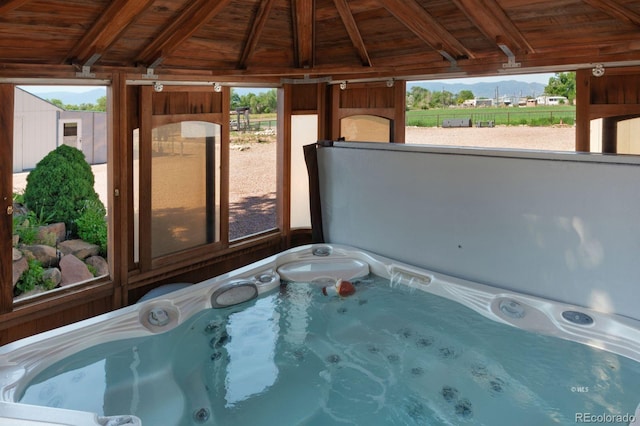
x=260, y=19
x=303, y=14
x=106, y=30
x=352, y=29
x=9, y=5
x=493, y=22
x=426, y=27
x=195, y=15
x=617, y=10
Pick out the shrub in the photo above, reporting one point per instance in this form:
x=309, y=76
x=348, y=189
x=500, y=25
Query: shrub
x=60, y=185
x=92, y=226
x=31, y=277
x=22, y=227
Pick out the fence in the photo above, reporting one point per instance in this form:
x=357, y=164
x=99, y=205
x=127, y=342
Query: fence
x=507, y=117
x=254, y=125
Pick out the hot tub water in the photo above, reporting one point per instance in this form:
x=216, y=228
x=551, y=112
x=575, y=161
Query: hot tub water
x=389, y=354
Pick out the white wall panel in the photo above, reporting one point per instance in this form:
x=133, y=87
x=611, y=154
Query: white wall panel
x=560, y=226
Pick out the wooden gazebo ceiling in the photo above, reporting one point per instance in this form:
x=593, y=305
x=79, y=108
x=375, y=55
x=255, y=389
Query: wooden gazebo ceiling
x=268, y=40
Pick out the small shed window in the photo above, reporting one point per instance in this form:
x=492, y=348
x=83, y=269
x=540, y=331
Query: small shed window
x=70, y=129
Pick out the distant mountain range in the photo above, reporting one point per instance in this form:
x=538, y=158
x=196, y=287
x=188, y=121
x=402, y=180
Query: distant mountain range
x=510, y=88
x=70, y=98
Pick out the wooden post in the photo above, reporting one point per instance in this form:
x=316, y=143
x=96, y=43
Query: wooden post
x=610, y=135
x=7, y=92
x=583, y=102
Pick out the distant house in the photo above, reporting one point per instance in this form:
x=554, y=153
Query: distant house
x=40, y=127
x=552, y=100
x=478, y=103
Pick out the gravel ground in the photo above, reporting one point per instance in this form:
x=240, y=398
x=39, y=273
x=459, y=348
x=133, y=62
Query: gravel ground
x=556, y=138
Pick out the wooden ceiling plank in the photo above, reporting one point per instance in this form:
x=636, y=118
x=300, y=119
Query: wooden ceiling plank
x=10, y=5
x=426, y=27
x=194, y=16
x=352, y=29
x=256, y=30
x=106, y=30
x=615, y=9
x=493, y=22
x=304, y=28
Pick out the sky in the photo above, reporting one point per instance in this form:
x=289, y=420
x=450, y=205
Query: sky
x=528, y=78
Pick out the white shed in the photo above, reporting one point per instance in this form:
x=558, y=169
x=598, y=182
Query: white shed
x=34, y=130
x=40, y=127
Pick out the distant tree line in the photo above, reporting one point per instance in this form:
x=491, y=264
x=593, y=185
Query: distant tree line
x=261, y=103
x=562, y=84
x=100, y=105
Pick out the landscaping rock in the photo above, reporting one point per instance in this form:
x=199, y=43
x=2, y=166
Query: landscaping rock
x=53, y=274
x=17, y=254
x=19, y=266
x=73, y=270
x=46, y=255
x=78, y=248
x=98, y=262
x=52, y=233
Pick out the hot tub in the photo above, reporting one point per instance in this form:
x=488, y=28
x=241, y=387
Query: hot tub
x=265, y=345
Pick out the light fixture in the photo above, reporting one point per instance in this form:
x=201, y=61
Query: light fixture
x=390, y=82
x=598, y=70
x=343, y=85
x=157, y=86
x=217, y=87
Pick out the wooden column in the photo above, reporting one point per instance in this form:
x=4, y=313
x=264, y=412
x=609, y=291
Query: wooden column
x=583, y=103
x=283, y=162
x=399, y=120
x=610, y=135
x=119, y=165
x=6, y=196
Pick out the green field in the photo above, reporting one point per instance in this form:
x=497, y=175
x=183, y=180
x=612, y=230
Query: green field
x=507, y=116
x=502, y=116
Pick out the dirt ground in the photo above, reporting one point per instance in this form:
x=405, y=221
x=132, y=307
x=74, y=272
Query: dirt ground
x=556, y=138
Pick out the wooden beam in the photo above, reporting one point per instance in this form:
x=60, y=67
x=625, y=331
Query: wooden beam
x=352, y=29
x=615, y=9
x=7, y=92
x=426, y=27
x=303, y=15
x=10, y=5
x=494, y=23
x=106, y=30
x=257, y=26
x=194, y=16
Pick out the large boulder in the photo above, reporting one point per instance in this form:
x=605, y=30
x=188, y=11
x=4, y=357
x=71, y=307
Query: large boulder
x=99, y=263
x=52, y=233
x=52, y=274
x=19, y=266
x=73, y=270
x=78, y=248
x=46, y=255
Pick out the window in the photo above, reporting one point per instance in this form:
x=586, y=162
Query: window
x=185, y=172
x=59, y=190
x=211, y=170
x=368, y=128
x=252, y=163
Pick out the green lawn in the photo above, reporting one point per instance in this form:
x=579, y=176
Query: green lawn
x=509, y=116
